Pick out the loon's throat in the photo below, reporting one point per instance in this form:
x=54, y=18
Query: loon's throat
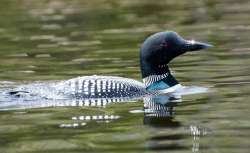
x=159, y=78
x=160, y=82
x=149, y=80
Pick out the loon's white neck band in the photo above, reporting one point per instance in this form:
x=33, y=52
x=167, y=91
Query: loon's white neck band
x=149, y=80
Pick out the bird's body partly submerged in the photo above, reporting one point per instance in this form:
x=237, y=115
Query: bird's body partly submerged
x=156, y=52
x=102, y=87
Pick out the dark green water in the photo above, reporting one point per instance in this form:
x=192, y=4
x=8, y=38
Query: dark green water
x=56, y=40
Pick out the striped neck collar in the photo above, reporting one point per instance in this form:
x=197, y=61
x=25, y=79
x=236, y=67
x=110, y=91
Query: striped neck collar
x=149, y=80
x=160, y=82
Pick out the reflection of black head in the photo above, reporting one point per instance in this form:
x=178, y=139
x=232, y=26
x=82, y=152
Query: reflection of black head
x=159, y=49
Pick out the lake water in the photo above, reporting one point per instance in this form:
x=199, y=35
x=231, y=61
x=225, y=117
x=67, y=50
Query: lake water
x=55, y=40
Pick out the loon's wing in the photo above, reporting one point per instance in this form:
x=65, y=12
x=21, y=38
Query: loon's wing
x=83, y=88
x=101, y=87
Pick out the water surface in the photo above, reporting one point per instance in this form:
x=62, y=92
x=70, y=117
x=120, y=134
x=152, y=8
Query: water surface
x=58, y=40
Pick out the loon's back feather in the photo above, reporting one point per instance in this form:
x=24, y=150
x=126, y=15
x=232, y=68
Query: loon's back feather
x=101, y=87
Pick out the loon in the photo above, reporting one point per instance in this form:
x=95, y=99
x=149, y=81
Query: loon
x=155, y=54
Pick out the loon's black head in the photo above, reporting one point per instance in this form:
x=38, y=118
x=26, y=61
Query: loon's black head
x=157, y=51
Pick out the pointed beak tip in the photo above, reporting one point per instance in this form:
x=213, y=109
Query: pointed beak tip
x=196, y=45
x=208, y=46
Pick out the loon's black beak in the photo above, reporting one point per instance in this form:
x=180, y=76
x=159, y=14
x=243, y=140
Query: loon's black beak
x=191, y=45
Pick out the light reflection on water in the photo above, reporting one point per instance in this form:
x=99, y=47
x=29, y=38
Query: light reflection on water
x=58, y=40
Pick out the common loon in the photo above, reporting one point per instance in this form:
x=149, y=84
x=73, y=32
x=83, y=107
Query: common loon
x=155, y=54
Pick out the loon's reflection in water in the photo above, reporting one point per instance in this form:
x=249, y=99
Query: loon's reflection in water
x=28, y=101
x=82, y=120
x=168, y=133
x=159, y=110
x=159, y=115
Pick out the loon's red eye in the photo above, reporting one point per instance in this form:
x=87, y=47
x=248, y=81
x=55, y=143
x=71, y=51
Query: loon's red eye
x=164, y=44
